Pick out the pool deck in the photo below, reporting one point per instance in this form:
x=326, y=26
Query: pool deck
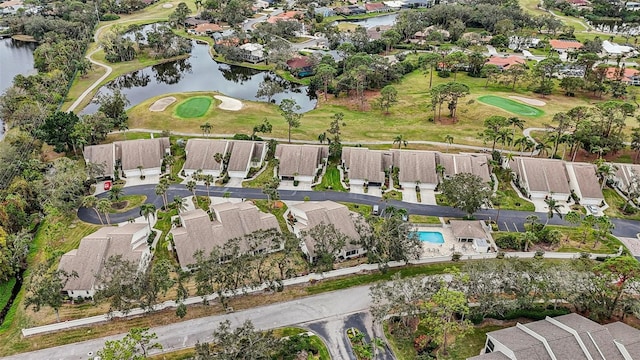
x=450, y=244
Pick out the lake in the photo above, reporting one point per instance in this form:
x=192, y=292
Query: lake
x=16, y=57
x=383, y=20
x=201, y=73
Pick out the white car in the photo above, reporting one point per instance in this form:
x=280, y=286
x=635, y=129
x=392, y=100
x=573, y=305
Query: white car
x=593, y=209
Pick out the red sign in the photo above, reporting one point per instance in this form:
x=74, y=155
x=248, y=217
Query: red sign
x=107, y=185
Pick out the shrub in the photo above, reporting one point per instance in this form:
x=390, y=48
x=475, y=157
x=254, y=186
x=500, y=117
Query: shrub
x=306, y=198
x=508, y=241
x=383, y=187
x=296, y=182
x=539, y=254
x=444, y=73
x=109, y=17
x=456, y=256
x=226, y=178
x=500, y=255
x=241, y=137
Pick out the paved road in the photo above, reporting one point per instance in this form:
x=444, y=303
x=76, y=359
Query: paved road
x=306, y=311
x=508, y=219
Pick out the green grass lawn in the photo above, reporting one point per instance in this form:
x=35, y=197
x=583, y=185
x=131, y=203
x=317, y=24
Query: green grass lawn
x=616, y=204
x=364, y=210
x=573, y=242
x=5, y=292
x=392, y=195
x=511, y=106
x=129, y=202
x=163, y=224
x=264, y=176
x=330, y=180
x=194, y=107
x=265, y=206
x=424, y=219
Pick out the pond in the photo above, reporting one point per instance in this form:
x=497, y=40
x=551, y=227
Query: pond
x=16, y=57
x=201, y=73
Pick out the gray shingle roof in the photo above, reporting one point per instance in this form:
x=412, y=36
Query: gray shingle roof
x=200, y=154
x=94, y=249
x=328, y=212
x=587, y=180
x=365, y=164
x=542, y=175
x=477, y=164
x=147, y=153
x=564, y=335
x=468, y=229
x=102, y=155
x=300, y=159
x=241, y=154
x=416, y=166
x=232, y=220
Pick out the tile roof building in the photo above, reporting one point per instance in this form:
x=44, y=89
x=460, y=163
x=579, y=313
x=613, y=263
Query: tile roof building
x=230, y=220
x=503, y=63
x=542, y=177
x=313, y=213
x=242, y=156
x=583, y=179
x=88, y=260
x=366, y=166
x=565, y=45
x=477, y=164
x=301, y=162
x=416, y=168
x=568, y=336
x=627, y=75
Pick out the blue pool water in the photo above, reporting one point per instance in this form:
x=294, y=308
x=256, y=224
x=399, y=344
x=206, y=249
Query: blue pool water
x=433, y=237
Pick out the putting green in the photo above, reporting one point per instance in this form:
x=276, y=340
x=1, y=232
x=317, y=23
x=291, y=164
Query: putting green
x=194, y=107
x=511, y=106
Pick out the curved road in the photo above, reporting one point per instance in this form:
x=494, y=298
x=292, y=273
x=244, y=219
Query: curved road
x=508, y=219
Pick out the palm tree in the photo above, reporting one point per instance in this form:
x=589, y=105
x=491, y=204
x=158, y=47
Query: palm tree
x=92, y=202
x=322, y=137
x=161, y=190
x=400, y=140
x=208, y=180
x=168, y=160
x=599, y=150
x=505, y=137
x=553, y=207
x=206, y=128
x=532, y=221
x=147, y=211
x=440, y=169
x=528, y=238
x=104, y=205
x=515, y=122
x=191, y=186
x=542, y=147
x=180, y=204
x=115, y=193
x=449, y=140
x=605, y=171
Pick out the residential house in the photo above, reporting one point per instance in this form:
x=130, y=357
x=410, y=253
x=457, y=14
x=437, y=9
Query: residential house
x=313, y=213
x=301, y=66
x=301, y=162
x=200, y=156
x=394, y=5
x=252, y=52
x=563, y=46
x=613, y=49
x=477, y=164
x=523, y=42
x=376, y=7
x=375, y=33
x=627, y=177
x=632, y=5
x=192, y=22
x=568, y=336
x=584, y=181
x=366, y=167
x=206, y=29
x=199, y=231
x=579, y=3
x=142, y=157
x=324, y=11
x=103, y=156
x=416, y=168
x=413, y=4
x=473, y=231
x=88, y=260
x=244, y=156
x=503, y=63
x=285, y=16
x=542, y=178
x=626, y=75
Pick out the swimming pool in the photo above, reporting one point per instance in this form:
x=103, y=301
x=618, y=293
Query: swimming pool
x=432, y=237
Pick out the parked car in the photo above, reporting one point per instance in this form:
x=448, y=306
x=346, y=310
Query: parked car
x=376, y=210
x=593, y=209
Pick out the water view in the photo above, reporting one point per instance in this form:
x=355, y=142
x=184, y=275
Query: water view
x=16, y=57
x=383, y=20
x=201, y=73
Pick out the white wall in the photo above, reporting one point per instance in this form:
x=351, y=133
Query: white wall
x=189, y=172
x=238, y=174
x=308, y=179
x=145, y=172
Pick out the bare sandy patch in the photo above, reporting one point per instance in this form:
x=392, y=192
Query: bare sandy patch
x=167, y=6
x=161, y=104
x=529, y=101
x=228, y=103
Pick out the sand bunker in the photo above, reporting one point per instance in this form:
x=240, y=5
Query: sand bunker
x=229, y=103
x=167, y=6
x=529, y=101
x=161, y=104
